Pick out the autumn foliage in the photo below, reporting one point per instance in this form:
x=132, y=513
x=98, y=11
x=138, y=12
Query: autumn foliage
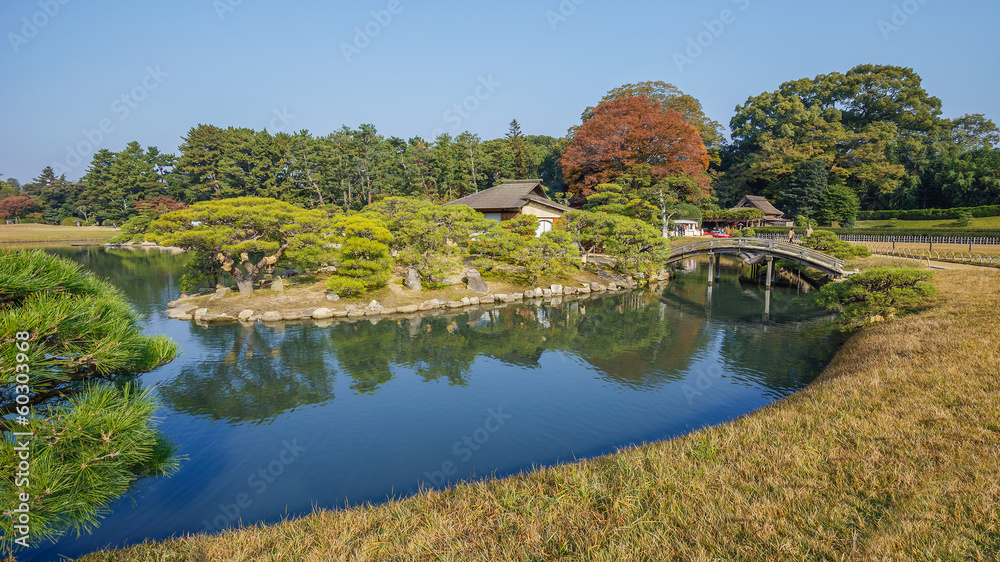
x=633, y=136
x=16, y=206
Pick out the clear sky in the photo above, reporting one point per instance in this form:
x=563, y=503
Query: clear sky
x=77, y=76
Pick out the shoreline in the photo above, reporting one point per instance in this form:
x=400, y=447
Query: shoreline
x=795, y=479
x=184, y=309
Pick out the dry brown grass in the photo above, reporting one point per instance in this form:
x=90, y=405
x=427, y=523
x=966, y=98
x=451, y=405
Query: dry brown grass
x=49, y=233
x=893, y=453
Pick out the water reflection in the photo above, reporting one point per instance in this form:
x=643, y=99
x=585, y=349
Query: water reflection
x=639, y=341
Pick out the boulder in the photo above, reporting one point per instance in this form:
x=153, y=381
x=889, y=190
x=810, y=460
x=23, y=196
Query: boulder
x=340, y=313
x=278, y=285
x=374, y=305
x=474, y=301
x=246, y=314
x=570, y=291
x=556, y=289
x=175, y=313
x=488, y=299
x=598, y=287
x=546, y=292
x=217, y=318
x=308, y=312
x=386, y=311
x=427, y=306
x=500, y=297
x=271, y=316
x=185, y=317
x=475, y=282
x=412, y=280
x=198, y=314
x=333, y=297
x=408, y=309
x=529, y=294
x=612, y=286
x=466, y=301
x=291, y=316
x=584, y=290
x=455, y=304
x=322, y=313
x=355, y=313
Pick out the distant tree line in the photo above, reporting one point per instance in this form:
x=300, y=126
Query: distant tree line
x=822, y=148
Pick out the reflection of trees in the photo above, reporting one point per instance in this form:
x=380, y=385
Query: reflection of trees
x=262, y=374
x=781, y=357
x=149, y=278
x=635, y=340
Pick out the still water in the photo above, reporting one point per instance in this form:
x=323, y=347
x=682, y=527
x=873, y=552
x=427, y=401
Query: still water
x=274, y=420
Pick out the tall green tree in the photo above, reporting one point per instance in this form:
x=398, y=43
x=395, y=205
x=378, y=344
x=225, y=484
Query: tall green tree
x=519, y=149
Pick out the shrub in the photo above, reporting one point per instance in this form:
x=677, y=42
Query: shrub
x=829, y=243
x=69, y=221
x=364, y=262
x=964, y=218
x=876, y=295
x=552, y=253
x=745, y=233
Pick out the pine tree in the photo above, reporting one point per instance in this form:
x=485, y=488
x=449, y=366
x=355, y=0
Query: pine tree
x=518, y=146
x=72, y=345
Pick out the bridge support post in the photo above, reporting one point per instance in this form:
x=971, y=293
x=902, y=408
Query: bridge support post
x=770, y=271
x=718, y=264
x=711, y=268
x=767, y=304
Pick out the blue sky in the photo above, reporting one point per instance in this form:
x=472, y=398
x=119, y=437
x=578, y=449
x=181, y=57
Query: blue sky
x=78, y=75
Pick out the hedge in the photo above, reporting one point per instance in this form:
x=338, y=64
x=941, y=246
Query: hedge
x=930, y=214
x=951, y=232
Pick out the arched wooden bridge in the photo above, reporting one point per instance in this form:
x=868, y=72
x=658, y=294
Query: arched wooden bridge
x=754, y=250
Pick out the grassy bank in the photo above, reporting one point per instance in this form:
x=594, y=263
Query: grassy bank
x=48, y=233
x=893, y=453
x=983, y=223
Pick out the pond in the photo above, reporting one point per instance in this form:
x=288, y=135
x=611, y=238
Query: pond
x=274, y=420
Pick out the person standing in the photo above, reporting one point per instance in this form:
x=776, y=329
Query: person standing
x=809, y=231
x=791, y=235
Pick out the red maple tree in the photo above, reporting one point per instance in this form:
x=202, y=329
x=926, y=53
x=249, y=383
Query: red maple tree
x=629, y=134
x=16, y=206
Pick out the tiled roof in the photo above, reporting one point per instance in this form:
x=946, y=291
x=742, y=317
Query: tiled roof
x=510, y=195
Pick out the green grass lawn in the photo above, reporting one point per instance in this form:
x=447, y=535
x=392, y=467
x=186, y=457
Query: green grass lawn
x=980, y=223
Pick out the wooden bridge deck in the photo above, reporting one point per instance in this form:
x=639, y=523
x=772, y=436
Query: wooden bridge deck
x=781, y=250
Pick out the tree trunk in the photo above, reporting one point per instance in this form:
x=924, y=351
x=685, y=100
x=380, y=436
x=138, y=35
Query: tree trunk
x=246, y=287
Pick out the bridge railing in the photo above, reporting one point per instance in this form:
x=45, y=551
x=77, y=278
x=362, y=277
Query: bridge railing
x=773, y=247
